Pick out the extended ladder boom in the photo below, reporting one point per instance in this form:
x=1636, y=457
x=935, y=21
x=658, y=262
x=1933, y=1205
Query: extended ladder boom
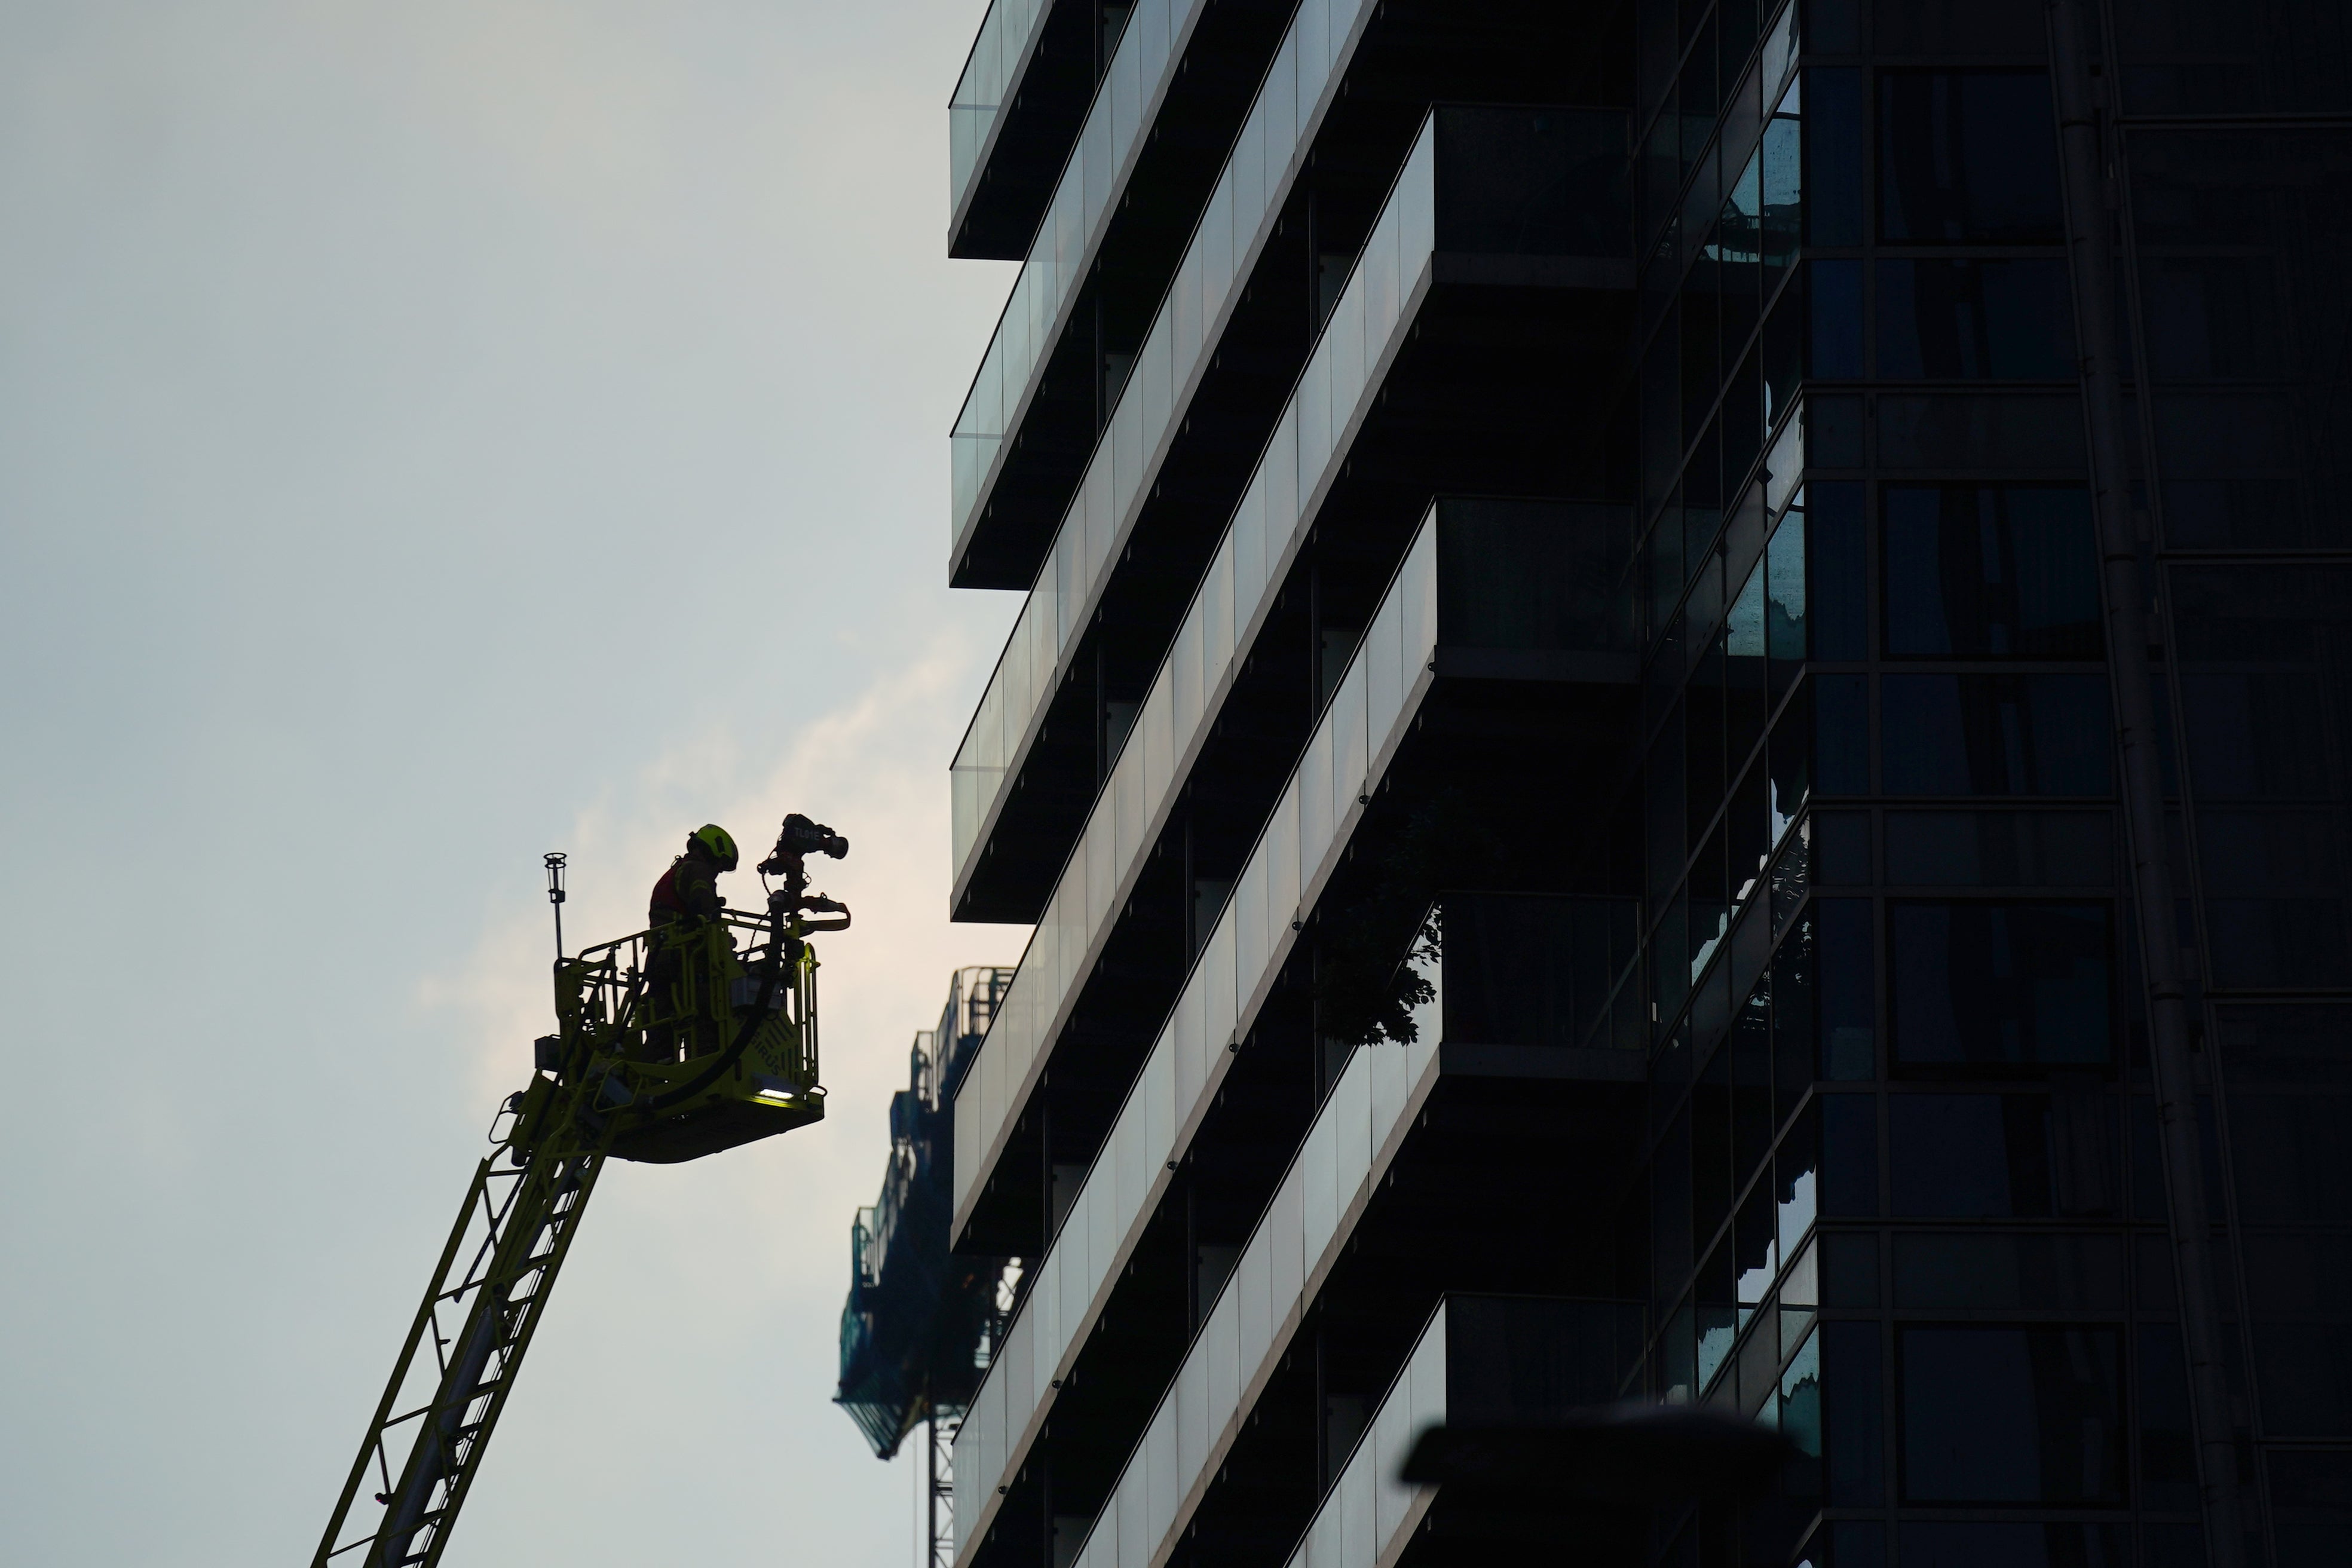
x=486, y=1299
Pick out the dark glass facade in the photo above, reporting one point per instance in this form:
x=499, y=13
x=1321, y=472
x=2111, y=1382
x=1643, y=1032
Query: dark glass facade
x=1585, y=775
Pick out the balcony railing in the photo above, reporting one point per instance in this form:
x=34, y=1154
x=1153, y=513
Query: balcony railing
x=1149, y=47
x=1005, y=34
x=1224, y=247
x=1485, y=181
x=1482, y=1359
x=1239, y=1345
x=1509, y=590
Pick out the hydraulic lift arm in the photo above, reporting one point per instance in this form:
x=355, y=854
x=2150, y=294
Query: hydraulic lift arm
x=669, y=1049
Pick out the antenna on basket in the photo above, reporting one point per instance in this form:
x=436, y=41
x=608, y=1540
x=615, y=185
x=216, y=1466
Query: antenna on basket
x=555, y=863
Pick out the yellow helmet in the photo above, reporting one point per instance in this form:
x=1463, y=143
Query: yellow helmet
x=715, y=840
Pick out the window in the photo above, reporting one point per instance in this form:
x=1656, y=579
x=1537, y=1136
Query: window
x=1853, y=1424
x=1711, y=1174
x=1833, y=292
x=1662, y=454
x=1702, y=337
x=1841, y=849
x=1668, y=846
x=1710, y=907
x=1529, y=182
x=2002, y=1156
x=1833, y=175
x=1848, y=989
x=2288, y=1072
x=1993, y=1544
x=1783, y=158
x=1739, y=249
x=1522, y=970
x=1998, y=985
x=1789, y=757
x=1785, y=347
x=2006, y=431
x=1750, y=1045
x=2001, y=849
x=1508, y=1358
x=1990, y=572
x=1833, y=432
x=2256, y=57
x=1849, y=1177
x=1970, y=1156
x=2263, y=660
x=2242, y=240
x=1977, y=1271
x=1996, y=734
x=1975, y=321
x=1967, y=157
x=1835, y=577
x=1801, y=1414
x=1841, y=712
x=1520, y=575
x=1962, y=27
x=2012, y=1415
x=2168, y=1435
x=1754, y=1251
x=1676, y=1376
x=1718, y=1313
x=1790, y=984
x=1784, y=611
x=2311, y=1505
x=1670, y=1200
x=1796, y=1199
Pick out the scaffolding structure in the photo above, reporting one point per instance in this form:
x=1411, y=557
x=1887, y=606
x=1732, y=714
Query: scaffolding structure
x=939, y=1487
x=919, y=1326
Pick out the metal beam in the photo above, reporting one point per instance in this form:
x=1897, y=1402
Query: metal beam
x=2087, y=166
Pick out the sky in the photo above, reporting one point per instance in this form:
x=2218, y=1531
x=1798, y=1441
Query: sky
x=433, y=433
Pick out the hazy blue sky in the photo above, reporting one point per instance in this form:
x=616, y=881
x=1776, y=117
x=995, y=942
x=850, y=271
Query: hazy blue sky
x=433, y=432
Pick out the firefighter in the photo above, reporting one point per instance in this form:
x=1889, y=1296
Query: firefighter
x=689, y=888
x=684, y=902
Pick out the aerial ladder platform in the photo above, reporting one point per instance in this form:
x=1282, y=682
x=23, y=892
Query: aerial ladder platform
x=671, y=1044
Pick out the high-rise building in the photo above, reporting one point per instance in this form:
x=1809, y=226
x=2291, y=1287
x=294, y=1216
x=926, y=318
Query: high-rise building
x=1682, y=730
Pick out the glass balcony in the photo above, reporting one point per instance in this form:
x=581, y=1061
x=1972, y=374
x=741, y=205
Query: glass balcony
x=1149, y=49
x=1225, y=246
x=1295, y=1244
x=1495, y=183
x=1483, y=1359
x=1481, y=578
x=1364, y=714
x=1005, y=34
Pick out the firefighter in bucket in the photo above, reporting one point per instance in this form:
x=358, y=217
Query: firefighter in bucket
x=692, y=955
